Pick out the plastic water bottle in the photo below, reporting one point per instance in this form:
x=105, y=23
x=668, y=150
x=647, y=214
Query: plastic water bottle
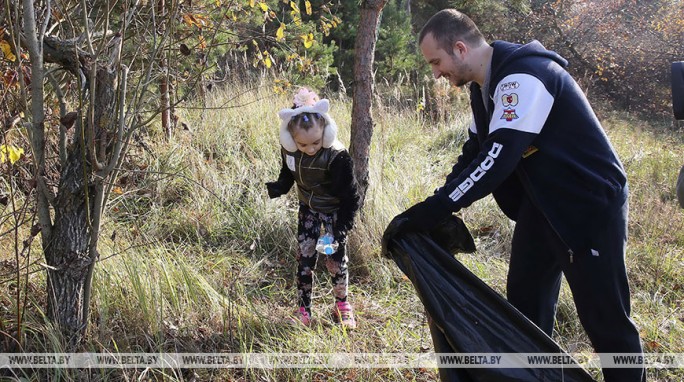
x=326, y=244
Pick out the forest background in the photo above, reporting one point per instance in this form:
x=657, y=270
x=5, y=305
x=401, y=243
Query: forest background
x=137, y=136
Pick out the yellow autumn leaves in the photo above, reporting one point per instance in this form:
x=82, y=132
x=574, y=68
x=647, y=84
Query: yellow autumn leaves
x=262, y=5
x=264, y=56
x=6, y=48
x=305, y=34
x=196, y=19
x=295, y=9
x=7, y=51
x=10, y=152
x=307, y=39
x=280, y=33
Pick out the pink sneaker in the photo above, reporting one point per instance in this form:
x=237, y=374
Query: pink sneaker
x=343, y=313
x=301, y=316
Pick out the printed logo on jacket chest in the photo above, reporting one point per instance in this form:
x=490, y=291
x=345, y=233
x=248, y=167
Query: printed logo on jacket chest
x=509, y=101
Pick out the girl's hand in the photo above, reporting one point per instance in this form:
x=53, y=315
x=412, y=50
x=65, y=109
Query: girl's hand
x=274, y=190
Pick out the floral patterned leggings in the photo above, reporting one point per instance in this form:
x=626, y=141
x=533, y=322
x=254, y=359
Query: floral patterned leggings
x=308, y=231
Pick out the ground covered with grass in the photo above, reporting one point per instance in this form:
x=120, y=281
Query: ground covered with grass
x=196, y=258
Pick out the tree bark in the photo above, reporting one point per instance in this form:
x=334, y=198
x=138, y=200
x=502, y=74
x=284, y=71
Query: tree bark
x=71, y=252
x=362, y=120
x=67, y=252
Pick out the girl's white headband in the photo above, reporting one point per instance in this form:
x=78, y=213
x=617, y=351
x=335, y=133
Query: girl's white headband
x=321, y=107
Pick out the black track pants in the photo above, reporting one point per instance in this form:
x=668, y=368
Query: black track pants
x=597, y=278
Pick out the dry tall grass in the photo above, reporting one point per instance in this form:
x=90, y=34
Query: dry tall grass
x=196, y=258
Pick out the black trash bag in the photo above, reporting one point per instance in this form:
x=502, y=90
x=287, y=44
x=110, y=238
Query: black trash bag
x=465, y=315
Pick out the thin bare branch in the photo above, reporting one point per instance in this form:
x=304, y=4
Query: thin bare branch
x=46, y=22
x=62, y=113
x=38, y=118
x=86, y=27
x=114, y=159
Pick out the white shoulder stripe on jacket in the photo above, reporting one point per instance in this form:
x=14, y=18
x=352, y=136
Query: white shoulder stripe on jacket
x=521, y=102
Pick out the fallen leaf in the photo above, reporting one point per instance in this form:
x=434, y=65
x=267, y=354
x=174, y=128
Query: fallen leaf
x=7, y=51
x=184, y=50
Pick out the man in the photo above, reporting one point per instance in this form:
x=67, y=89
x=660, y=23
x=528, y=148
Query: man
x=537, y=146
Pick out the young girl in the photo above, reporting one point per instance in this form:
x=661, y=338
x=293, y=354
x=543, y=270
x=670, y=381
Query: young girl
x=322, y=168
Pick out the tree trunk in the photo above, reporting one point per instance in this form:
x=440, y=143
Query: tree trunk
x=72, y=249
x=68, y=251
x=362, y=120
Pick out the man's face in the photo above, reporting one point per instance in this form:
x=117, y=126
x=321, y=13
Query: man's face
x=449, y=66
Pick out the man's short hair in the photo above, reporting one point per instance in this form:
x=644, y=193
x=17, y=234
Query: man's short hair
x=448, y=26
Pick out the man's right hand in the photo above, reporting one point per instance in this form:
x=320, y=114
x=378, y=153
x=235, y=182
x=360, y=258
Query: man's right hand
x=421, y=217
x=396, y=226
